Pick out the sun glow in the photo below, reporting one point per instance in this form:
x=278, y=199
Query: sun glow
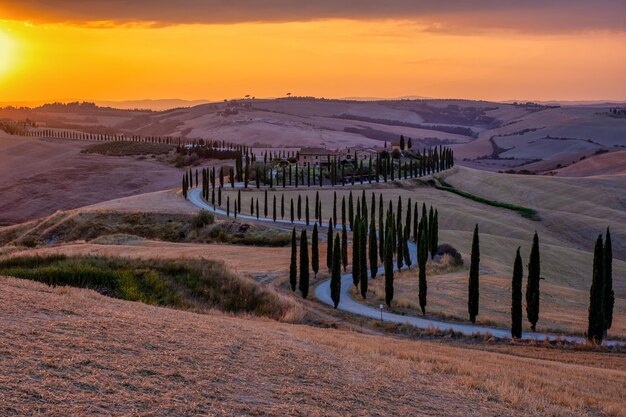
x=7, y=53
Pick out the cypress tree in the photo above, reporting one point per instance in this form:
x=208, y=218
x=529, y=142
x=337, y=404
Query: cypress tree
x=364, y=208
x=239, y=201
x=405, y=247
x=299, y=207
x=422, y=256
x=335, y=205
x=609, y=294
x=356, y=247
x=373, y=249
x=335, y=276
x=344, y=246
x=363, y=255
x=257, y=209
x=516, y=297
x=315, y=254
x=434, y=235
x=306, y=210
x=407, y=223
x=319, y=213
x=274, y=208
x=351, y=211
x=398, y=229
x=381, y=230
x=343, y=211
x=400, y=248
x=595, y=331
x=473, y=288
x=304, y=264
x=431, y=223
x=317, y=205
x=291, y=212
x=252, y=206
x=265, y=205
x=532, y=285
x=388, y=263
x=415, y=223
x=329, y=248
x=282, y=206
x=293, y=271
x=424, y=224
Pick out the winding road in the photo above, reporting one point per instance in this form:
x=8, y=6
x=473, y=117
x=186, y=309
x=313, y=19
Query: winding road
x=348, y=304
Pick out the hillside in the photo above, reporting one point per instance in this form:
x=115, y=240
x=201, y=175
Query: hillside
x=486, y=135
x=76, y=352
x=604, y=164
x=41, y=176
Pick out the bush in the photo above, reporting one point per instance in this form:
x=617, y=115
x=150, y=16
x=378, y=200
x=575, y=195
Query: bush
x=446, y=249
x=202, y=219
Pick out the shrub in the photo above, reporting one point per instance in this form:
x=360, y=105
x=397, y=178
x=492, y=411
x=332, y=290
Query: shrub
x=446, y=249
x=203, y=218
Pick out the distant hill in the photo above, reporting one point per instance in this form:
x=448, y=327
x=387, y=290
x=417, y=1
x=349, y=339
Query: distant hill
x=486, y=135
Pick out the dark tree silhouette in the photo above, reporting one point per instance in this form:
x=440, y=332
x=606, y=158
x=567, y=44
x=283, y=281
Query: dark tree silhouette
x=293, y=269
x=315, y=253
x=532, y=285
x=516, y=297
x=595, y=331
x=473, y=288
x=335, y=276
x=304, y=264
x=609, y=294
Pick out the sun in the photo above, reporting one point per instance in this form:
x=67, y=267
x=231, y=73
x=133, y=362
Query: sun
x=7, y=53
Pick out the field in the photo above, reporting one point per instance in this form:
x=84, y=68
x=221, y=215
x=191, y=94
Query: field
x=40, y=177
x=133, y=358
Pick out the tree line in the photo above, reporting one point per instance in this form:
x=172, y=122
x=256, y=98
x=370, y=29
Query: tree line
x=379, y=169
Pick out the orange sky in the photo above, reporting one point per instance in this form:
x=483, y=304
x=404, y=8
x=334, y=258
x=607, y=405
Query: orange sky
x=323, y=58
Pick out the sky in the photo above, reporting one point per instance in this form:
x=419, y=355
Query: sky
x=216, y=49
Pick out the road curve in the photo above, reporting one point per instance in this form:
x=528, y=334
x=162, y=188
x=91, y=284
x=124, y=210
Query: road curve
x=348, y=304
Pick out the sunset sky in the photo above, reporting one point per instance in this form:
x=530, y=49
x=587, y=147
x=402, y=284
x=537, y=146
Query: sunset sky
x=210, y=49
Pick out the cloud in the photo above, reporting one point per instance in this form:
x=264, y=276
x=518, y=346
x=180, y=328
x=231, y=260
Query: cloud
x=439, y=15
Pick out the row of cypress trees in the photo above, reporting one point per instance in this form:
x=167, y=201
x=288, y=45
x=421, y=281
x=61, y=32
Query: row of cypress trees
x=432, y=161
x=601, y=293
x=390, y=243
x=334, y=261
x=532, y=286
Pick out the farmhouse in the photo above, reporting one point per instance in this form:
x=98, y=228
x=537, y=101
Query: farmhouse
x=317, y=156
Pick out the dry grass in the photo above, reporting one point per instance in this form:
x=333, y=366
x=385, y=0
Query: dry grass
x=241, y=259
x=75, y=352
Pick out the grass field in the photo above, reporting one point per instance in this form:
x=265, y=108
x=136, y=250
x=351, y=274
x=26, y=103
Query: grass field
x=122, y=357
